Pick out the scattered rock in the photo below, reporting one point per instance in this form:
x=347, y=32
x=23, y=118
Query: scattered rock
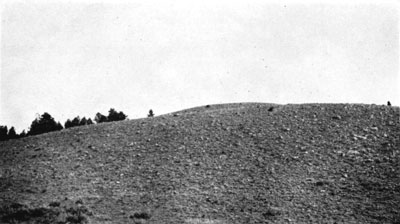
x=359, y=137
x=353, y=152
x=257, y=170
x=272, y=211
x=374, y=128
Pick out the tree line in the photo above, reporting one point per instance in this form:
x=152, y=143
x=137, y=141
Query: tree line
x=46, y=123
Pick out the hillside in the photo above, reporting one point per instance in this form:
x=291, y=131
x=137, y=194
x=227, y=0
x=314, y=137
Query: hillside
x=217, y=164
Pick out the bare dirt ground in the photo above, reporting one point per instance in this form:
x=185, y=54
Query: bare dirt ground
x=220, y=164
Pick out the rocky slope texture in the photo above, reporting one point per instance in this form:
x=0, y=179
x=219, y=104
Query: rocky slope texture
x=231, y=163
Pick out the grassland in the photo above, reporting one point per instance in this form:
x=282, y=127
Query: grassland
x=220, y=164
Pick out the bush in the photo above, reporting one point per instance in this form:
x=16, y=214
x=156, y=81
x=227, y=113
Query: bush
x=151, y=114
x=100, y=118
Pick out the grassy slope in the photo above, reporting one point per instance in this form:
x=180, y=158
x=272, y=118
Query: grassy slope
x=232, y=163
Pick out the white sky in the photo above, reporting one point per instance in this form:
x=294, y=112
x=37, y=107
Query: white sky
x=73, y=58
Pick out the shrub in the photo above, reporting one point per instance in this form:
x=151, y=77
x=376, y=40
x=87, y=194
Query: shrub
x=100, y=118
x=151, y=114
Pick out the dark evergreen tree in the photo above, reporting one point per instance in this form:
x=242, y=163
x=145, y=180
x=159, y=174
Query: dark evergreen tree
x=68, y=124
x=59, y=126
x=44, y=124
x=122, y=116
x=3, y=133
x=89, y=121
x=22, y=134
x=83, y=121
x=100, y=118
x=76, y=121
x=12, y=134
x=151, y=114
x=113, y=115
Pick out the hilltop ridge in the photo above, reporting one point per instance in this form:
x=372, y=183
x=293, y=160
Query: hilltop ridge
x=226, y=163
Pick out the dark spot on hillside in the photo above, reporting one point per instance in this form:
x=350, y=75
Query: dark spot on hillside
x=141, y=215
x=272, y=211
x=270, y=109
x=54, y=204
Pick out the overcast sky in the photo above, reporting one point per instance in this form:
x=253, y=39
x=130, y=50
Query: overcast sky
x=72, y=59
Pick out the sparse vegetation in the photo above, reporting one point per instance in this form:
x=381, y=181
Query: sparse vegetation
x=45, y=123
x=234, y=163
